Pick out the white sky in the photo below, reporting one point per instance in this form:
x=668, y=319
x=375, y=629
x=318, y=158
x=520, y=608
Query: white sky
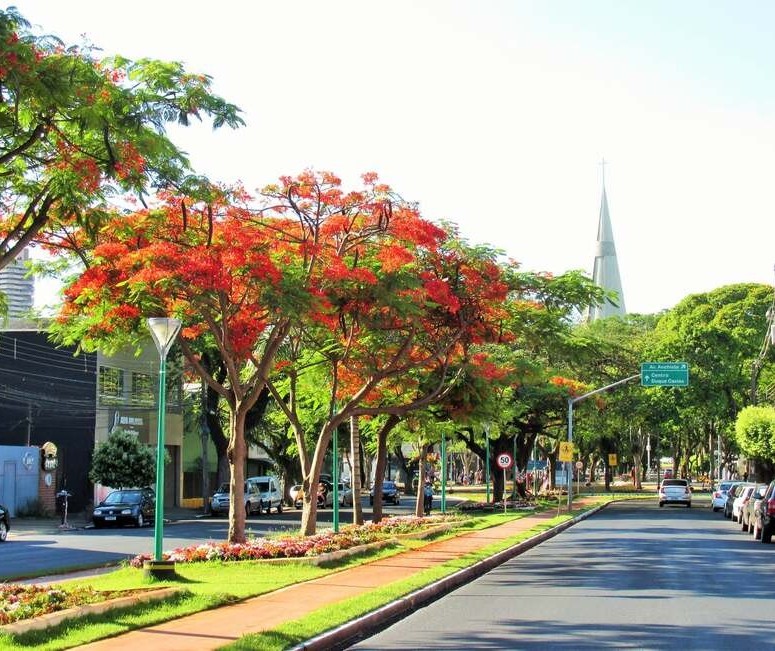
x=495, y=115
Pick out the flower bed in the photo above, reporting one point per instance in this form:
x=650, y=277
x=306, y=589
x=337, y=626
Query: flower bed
x=297, y=546
x=511, y=505
x=18, y=601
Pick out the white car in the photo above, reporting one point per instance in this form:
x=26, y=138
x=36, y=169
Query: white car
x=719, y=497
x=345, y=494
x=742, y=497
x=675, y=491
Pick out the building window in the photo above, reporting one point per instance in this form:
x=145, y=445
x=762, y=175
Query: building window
x=143, y=389
x=111, y=387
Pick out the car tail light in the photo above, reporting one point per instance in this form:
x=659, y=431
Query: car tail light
x=771, y=506
x=716, y=494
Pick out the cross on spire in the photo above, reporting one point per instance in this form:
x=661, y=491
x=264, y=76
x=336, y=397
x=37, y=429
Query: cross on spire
x=602, y=164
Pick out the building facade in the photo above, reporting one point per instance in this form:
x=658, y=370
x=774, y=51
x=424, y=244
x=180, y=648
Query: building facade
x=18, y=289
x=48, y=394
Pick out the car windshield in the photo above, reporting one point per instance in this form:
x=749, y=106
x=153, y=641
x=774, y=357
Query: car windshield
x=263, y=487
x=223, y=488
x=123, y=497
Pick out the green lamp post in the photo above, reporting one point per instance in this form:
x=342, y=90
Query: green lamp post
x=163, y=330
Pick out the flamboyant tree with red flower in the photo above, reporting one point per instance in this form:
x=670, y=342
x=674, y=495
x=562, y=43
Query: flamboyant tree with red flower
x=401, y=319
x=75, y=131
x=307, y=257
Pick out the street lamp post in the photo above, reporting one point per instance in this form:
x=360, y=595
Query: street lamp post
x=487, y=461
x=335, y=478
x=163, y=330
x=443, y=473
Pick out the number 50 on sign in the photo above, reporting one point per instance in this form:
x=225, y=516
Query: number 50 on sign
x=566, y=451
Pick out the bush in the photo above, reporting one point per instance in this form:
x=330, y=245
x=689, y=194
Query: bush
x=122, y=461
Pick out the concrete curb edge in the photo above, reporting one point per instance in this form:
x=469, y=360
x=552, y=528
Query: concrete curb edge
x=345, y=634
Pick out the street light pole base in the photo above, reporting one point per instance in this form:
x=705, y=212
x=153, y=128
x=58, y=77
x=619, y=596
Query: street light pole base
x=161, y=570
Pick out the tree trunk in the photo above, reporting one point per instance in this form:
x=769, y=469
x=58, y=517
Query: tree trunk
x=637, y=484
x=312, y=479
x=237, y=454
x=205, y=439
x=379, y=471
x=419, y=502
x=355, y=476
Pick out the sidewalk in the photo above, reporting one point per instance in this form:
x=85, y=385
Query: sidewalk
x=215, y=628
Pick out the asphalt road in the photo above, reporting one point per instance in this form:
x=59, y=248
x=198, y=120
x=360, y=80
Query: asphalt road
x=43, y=553
x=632, y=576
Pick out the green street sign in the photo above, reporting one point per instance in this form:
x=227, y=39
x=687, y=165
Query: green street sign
x=664, y=374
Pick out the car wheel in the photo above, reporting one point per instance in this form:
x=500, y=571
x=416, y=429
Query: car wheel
x=661, y=504
x=688, y=505
x=371, y=501
x=766, y=537
x=279, y=507
x=743, y=524
x=715, y=508
x=140, y=521
x=3, y=531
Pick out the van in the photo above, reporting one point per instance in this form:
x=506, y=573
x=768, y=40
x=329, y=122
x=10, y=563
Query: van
x=269, y=494
x=261, y=494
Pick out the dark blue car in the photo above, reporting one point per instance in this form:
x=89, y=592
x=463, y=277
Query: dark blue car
x=389, y=493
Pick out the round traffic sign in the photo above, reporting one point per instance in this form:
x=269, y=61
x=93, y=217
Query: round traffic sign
x=503, y=460
x=579, y=464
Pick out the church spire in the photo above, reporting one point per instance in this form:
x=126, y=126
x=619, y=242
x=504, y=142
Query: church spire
x=606, y=268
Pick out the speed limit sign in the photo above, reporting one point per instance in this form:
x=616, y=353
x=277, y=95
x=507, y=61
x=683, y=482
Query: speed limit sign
x=503, y=460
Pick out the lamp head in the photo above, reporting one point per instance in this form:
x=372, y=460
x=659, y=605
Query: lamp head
x=163, y=330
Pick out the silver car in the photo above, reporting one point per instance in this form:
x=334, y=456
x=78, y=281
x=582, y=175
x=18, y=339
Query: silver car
x=675, y=491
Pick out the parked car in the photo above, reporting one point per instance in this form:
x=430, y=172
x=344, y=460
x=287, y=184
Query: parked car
x=742, y=494
x=764, y=515
x=732, y=493
x=750, y=506
x=5, y=523
x=252, y=500
x=719, y=496
x=390, y=493
x=345, y=494
x=269, y=494
x=295, y=493
x=675, y=491
x=125, y=506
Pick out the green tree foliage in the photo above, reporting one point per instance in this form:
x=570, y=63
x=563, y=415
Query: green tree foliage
x=122, y=461
x=755, y=432
x=719, y=334
x=76, y=131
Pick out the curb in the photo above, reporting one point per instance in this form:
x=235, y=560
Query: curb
x=365, y=626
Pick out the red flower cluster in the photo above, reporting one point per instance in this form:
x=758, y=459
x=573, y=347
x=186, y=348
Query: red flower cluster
x=295, y=546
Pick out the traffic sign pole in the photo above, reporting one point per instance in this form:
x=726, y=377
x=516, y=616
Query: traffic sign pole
x=504, y=491
x=504, y=461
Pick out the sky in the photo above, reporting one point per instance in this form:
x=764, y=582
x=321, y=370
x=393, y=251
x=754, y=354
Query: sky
x=496, y=115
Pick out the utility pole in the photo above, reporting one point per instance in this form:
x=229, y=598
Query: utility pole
x=29, y=423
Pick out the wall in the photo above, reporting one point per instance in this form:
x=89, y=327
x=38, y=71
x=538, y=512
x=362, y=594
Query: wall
x=19, y=475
